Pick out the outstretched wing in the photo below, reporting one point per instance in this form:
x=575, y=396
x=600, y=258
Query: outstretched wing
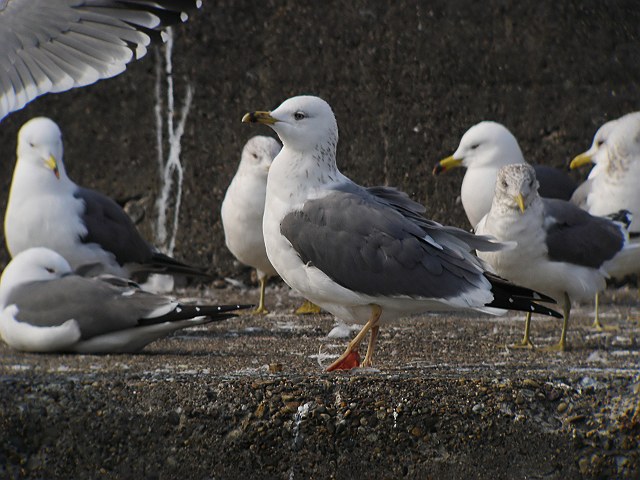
x=55, y=45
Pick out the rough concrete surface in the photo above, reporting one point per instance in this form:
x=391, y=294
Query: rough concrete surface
x=406, y=80
x=249, y=398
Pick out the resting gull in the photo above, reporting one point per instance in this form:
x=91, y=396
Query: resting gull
x=47, y=209
x=561, y=249
x=45, y=307
x=367, y=255
x=55, y=45
x=483, y=149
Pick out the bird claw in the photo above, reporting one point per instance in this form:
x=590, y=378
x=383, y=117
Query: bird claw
x=307, y=308
x=523, y=344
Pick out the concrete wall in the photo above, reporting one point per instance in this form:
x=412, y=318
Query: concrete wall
x=405, y=79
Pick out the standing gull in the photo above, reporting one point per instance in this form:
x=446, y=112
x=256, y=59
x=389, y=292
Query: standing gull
x=561, y=250
x=47, y=209
x=45, y=307
x=55, y=45
x=243, y=208
x=367, y=255
x=242, y=211
x=483, y=149
x=613, y=184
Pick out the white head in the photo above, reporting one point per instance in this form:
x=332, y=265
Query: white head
x=601, y=144
x=258, y=153
x=486, y=144
x=303, y=123
x=623, y=143
x=32, y=265
x=516, y=187
x=40, y=144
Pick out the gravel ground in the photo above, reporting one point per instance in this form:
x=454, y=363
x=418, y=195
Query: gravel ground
x=447, y=399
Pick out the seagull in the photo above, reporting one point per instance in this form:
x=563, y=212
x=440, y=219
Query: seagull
x=242, y=211
x=613, y=182
x=561, y=250
x=366, y=255
x=591, y=156
x=243, y=207
x=483, y=149
x=90, y=230
x=45, y=307
x=49, y=46
x=612, y=185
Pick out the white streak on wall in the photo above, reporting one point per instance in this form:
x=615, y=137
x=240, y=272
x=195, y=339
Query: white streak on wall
x=170, y=168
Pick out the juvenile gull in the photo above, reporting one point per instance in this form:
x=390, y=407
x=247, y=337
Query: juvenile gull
x=367, y=255
x=483, y=149
x=47, y=209
x=55, y=45
x=243, y=208
x=561, y=250
x=45, y=307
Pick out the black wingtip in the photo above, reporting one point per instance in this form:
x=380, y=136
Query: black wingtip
x=624, y=217
x=161, y=263
x=509, y=296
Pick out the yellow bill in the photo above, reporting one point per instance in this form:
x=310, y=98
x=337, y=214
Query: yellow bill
x=52, y=164
x=259, y=117
x=446, y=164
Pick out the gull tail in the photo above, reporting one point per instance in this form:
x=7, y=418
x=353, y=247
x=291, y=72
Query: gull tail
x=509, y=296
x=214, y=313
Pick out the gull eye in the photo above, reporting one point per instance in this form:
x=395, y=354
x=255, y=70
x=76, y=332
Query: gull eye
x=474, y=146
x=255, y=155
x=299, y=116
x=50, y=270
x=504, y=184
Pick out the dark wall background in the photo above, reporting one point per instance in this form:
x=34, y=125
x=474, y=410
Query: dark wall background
x=405, y=79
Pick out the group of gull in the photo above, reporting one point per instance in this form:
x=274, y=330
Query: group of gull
x=365, y=254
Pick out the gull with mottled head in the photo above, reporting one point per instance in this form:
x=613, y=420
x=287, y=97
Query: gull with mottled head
x=561, y=250
x=367, y=255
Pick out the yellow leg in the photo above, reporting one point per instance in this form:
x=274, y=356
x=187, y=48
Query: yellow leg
x=525, y=342
x=339, y=364
x=307, y=307
x=561, y=346
x=261, y=310
x=596, y=322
